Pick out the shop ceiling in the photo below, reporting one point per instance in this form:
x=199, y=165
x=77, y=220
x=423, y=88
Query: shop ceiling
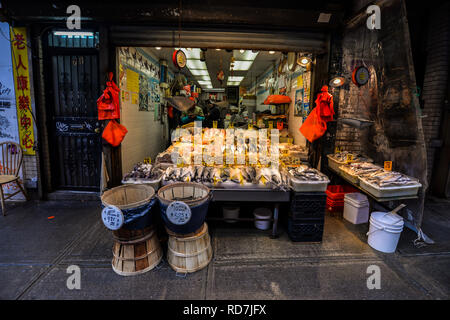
x=247, y=66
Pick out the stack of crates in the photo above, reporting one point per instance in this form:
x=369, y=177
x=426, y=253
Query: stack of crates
x=306, y=216
x=335, y=196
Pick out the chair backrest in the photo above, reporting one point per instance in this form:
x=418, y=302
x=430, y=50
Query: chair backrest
x=11, y=158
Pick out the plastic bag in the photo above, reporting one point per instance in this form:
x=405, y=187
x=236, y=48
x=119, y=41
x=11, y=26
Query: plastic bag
x=108, y=104
x=277, y=99
x=313, y=127
x=114, y=133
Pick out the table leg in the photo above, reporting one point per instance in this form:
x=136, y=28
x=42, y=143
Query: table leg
x=275, y=222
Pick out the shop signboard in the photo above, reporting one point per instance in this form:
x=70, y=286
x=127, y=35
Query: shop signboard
x=21, y=71
x=9, y=129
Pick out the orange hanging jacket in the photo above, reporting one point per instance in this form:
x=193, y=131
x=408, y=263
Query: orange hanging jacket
x=324, y=104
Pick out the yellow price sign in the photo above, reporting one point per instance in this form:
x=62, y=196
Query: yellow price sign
x=215, y=124
x=148, y=160
x=231, y=126
x=338, y=149
x=349, y=158
x=250, y=125
x=388, y=165
x=270, y=125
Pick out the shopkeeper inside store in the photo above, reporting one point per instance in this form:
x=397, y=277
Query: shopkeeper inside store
x=195, y=113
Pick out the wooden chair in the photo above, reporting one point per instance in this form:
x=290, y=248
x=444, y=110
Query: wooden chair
x=11, y=161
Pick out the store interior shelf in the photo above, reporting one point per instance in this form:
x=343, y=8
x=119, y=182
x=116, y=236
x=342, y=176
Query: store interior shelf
x=384, y=199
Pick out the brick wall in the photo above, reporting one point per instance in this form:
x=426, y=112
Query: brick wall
x=436, y=78
x=388, y=99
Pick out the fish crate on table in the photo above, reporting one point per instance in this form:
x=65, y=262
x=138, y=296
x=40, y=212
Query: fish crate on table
x=307, y=205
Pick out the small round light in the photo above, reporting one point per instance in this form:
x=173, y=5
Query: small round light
x=304, y=61
x=271, y=52
x=158, y=48
x=241, y=51
x=337, y=82
x=217, y=49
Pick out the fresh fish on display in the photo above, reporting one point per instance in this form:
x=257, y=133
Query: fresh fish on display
x=306, y=173
x=383, y=178
x=144, y=171
x=342, y=157
x=225, y=174
x=235, y=175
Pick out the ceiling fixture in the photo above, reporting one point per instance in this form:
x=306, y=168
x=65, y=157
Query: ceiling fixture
x=324, y=17
x=217, y=49
x=158, y=48
x=271, y=52
x=73, y=34
x=241, y=51
x=303, y=60
x=240, y=65
x=337, y=82
x=199, y=72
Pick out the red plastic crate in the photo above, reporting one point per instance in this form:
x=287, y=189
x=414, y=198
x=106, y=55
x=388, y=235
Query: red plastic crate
x=334, y=206
x=337, y=192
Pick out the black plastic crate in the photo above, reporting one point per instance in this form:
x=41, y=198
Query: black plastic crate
x=308, y=205
x=306, y=230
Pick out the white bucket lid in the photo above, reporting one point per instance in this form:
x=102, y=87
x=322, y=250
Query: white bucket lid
x=387, y=219
x=385, y=228
x=356, y=197
x=357, y=200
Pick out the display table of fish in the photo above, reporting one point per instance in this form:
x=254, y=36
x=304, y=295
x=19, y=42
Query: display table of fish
x=233, y=177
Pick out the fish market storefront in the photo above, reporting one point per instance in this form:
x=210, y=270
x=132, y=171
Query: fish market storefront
x=282, y=129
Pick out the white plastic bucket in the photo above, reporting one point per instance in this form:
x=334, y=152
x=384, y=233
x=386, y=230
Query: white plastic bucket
x=262, y=213
x=356, y=208
x=230, y=214
x=384, y=231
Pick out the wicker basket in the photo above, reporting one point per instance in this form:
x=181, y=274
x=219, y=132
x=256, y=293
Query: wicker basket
x=128, y=196
x=194, y=195
x=189, y=192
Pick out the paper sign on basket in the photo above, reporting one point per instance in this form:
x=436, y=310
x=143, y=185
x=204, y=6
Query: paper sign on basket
x=112, y=217
x=178, y=213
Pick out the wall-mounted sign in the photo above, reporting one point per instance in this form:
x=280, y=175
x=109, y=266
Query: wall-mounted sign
x=360, y=76
x=21, y=73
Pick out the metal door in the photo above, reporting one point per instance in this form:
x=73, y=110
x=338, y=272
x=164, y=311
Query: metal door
x=75, y=139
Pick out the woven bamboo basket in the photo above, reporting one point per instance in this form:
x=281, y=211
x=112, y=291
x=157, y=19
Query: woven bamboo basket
x=194, y=195
x=190, y=193
x=190, y=254
x=137, y=257
x=128, y=196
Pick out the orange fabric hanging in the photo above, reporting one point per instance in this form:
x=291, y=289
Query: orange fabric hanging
x=114, y=133
x=108, y=104
x=324, y=104
x=313, y=127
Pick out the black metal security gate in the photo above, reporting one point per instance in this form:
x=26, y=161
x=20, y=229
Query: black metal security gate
x=72, y=82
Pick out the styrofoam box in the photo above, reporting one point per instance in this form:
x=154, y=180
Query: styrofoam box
x=395, y=191
x=308, y=186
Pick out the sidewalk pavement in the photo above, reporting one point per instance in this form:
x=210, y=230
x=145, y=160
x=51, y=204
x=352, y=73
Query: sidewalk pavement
x=35, y=252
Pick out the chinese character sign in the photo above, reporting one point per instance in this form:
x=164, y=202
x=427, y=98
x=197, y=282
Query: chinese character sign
x=22, y=88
